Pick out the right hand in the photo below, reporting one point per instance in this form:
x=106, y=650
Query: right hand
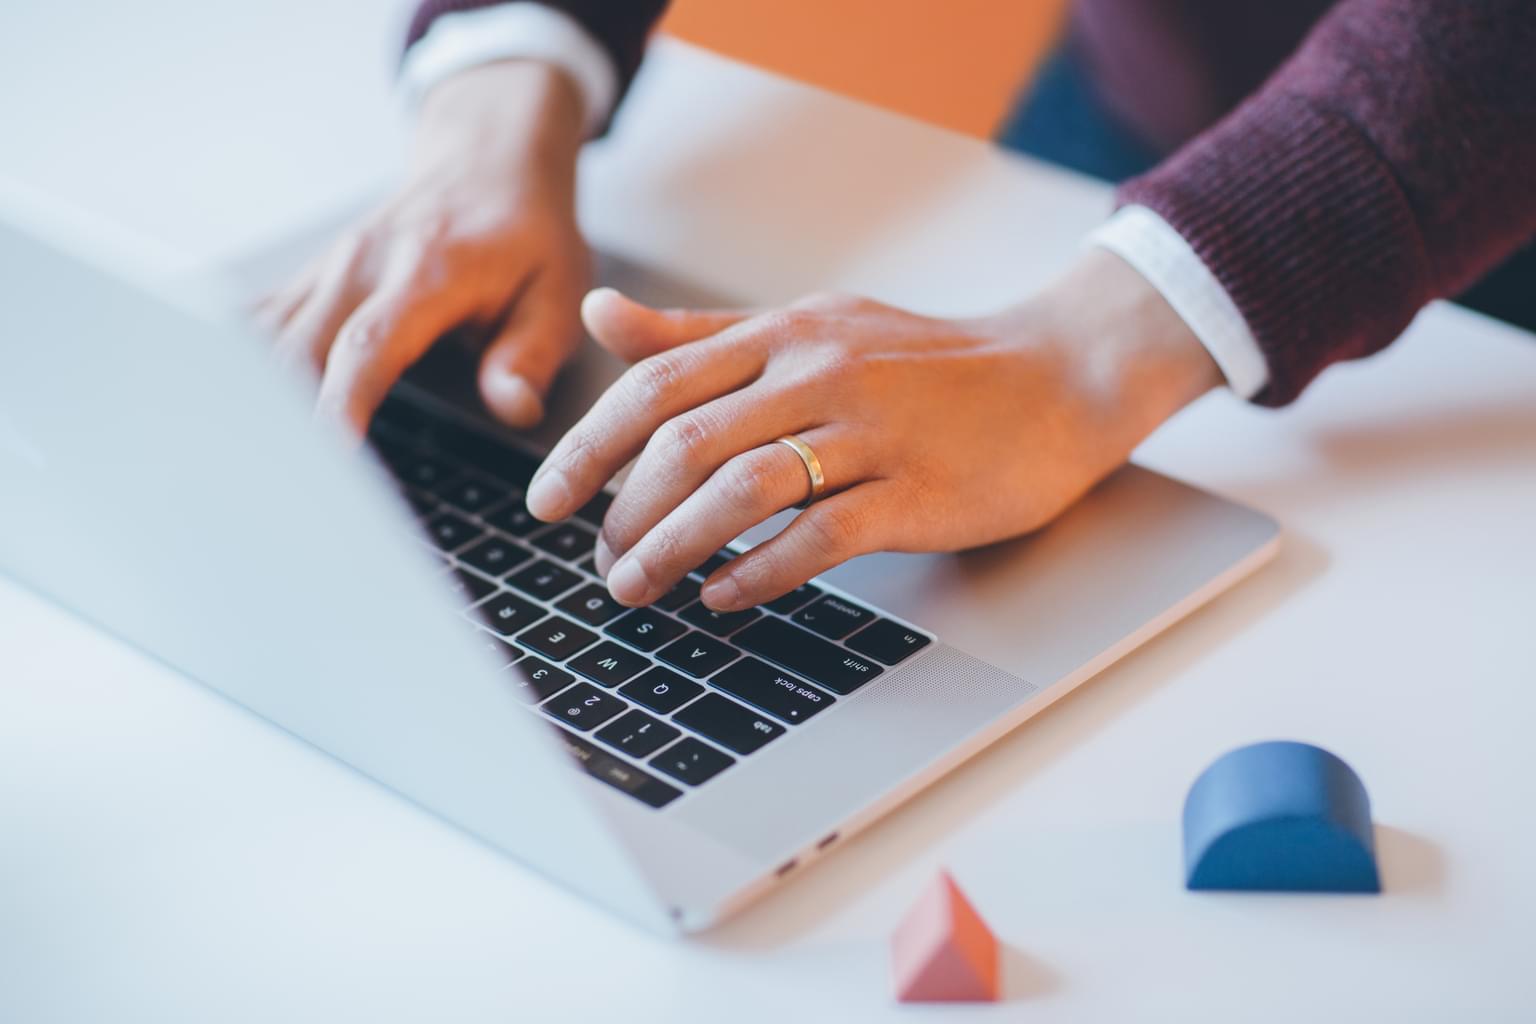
x=482, y=235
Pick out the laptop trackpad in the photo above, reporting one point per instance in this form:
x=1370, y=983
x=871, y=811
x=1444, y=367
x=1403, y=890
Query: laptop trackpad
x=838, y=764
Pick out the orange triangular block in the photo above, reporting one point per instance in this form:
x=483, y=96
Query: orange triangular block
x=943, y=952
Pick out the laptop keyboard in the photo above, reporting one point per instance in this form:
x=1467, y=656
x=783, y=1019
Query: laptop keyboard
x=654, y=701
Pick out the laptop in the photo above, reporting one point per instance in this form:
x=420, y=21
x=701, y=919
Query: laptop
x=399, y=609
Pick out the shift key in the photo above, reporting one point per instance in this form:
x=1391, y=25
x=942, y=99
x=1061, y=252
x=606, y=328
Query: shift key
x=806, y=654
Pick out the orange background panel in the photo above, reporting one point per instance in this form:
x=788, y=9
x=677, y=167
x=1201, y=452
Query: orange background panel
x=956, y=63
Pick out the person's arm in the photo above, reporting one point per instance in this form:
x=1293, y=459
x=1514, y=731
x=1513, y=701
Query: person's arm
x=620, y=27
x=1388, y=163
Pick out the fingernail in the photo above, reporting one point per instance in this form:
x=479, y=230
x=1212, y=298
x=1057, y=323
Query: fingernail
x=512, y=398
x=602, y=556
x=722, y=594
x=548, y=494
x=627, y=581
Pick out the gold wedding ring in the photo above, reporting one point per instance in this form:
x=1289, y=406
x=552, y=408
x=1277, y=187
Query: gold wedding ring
x=812, y=466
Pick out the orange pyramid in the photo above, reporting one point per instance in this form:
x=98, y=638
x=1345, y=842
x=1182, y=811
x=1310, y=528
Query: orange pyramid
x=943, y=952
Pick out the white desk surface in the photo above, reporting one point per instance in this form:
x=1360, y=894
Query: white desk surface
x=166, y=857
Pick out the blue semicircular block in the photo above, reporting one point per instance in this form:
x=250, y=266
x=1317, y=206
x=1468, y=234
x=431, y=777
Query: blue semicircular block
x=1279, y=817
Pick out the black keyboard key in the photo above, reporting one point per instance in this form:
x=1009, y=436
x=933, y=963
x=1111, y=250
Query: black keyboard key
x=801, y=595
x=692, y=761
x=686, y=591
x=535, y=679
x=398, y=416
x=503, y=652
x=582, y=706
x=834, y=617
x=473, y=495
x=485, y=453
x=469, y=587
x=544, y=580
x=588, y=565
x=508, y=613
x=424, y=472
x=718, y=623
x=609, y=664
x=592, y=605
x=698, y=655
x=495, y=556
x=637, y=734
x=887, y=641
x=806, y=654
x=594, y=510
x=570, y=541
x=451, y=531
x=646, y=629
x=776, y=692
x=729, y=724
x=712, y=563
x=421, y=503
x=513, y=518
x=389, y=442
x=599, y=764
x=557, y=638
x=661, y=690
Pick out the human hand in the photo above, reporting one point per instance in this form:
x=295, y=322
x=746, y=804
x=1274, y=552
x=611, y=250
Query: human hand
x=482, y=235
x=934, y=435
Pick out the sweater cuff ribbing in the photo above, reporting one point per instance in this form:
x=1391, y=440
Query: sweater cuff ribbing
x=1304, y=226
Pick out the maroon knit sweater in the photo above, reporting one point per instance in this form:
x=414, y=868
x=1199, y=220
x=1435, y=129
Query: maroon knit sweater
x=1390, y=160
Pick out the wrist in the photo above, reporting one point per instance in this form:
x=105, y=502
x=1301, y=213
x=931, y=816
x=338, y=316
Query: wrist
x=1126, y=358
x=513, y=112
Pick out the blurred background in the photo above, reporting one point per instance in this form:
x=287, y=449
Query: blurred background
x=957, y=64
x=201, y=131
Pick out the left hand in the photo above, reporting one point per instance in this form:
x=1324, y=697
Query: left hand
x=934, y=435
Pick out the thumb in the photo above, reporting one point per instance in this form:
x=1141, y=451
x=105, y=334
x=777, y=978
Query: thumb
x=633, y=331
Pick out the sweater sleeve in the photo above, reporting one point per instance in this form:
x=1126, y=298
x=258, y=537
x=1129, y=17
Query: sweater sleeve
x=1389, y=162
x=620, y=26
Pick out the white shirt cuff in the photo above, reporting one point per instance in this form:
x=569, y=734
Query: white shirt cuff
x=1166, y=260
x=513, y=31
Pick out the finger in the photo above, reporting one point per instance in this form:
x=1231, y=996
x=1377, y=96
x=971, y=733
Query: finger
x=822, y=537
x=272, y=311
x=633, y=331
x=538, y=337
x=620, y=422
x=307, y=336
x=392, y=329
x=684, y=451
x=740, y=494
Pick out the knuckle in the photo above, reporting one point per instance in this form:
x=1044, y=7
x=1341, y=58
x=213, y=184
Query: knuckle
x=790, y=325
x=655, y=380
x=684, y=440
x=575, y=450
x=364, y=334
x=619, y=530
x=664, y=546
x=432, y=270
x=828, y=300
x=836, y=362
x=835, y=530
x=745, y=484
